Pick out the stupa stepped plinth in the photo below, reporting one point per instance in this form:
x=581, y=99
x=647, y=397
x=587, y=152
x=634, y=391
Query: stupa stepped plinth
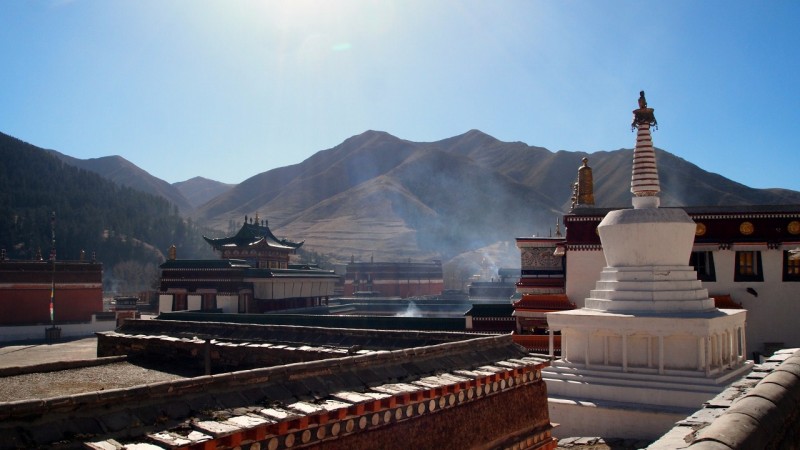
x=649, y=346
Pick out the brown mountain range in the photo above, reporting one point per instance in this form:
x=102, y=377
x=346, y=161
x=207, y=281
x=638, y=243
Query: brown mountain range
x=377, y=195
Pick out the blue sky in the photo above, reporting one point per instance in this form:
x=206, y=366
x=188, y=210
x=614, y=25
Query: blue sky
x=229, y=89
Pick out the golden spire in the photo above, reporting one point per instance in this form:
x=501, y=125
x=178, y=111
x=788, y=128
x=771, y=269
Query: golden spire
x=585, y=194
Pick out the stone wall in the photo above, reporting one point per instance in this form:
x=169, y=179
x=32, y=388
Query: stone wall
x=519, y=414
x=310, y=335
x=193, y=353
x=223, y=348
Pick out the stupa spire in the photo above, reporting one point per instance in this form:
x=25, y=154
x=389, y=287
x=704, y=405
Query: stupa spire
x=644, y=178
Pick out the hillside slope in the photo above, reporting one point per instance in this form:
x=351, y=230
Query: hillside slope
x=127, y=230
x=199, y=190
x=379, y=195
x=394, y=199
x=125, y=173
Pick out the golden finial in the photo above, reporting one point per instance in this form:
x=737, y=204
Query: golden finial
x=585, y=192
x=643, y=115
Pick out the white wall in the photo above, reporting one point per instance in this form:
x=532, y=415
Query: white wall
x=164, y=303
x=194, y=302
x=772, y=316
x=228, y=303
x=595, y=419
x=275, y=288
x=583, y=271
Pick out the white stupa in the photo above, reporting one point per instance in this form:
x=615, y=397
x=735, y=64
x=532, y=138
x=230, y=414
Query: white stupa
x=649, y=347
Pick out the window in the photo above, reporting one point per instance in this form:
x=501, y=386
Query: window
x=791, y=268
x=748, y=266
x=703, y=263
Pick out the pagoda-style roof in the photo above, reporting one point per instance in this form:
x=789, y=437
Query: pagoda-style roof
x=252, y=234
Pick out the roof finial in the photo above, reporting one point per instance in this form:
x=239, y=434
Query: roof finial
x=585, y=194
x=645, y=185
x=643, y=115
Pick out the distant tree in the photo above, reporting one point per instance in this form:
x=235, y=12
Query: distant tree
x=131, y=277
x=127, y=230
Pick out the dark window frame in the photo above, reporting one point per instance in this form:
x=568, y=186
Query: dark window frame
x=705, y=269
x=755, y=265
x=791, y=269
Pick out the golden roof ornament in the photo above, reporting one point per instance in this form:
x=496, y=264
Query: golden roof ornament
x=585, y=194
x=643, y=115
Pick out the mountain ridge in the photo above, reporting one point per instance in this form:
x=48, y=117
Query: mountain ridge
x=199, y=190
x=397, y=199
x=125, y=173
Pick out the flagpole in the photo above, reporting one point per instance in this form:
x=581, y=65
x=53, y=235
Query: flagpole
x=53, y=333
x=53, y=258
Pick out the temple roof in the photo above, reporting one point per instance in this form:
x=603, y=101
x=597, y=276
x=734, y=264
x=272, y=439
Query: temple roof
x=252, y=234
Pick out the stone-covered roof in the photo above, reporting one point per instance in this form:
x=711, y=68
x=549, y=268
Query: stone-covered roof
x=306, y=403
x=760, y=411
x=253, y=234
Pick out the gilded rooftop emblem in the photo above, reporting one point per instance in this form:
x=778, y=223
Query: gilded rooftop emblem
x=643, y=115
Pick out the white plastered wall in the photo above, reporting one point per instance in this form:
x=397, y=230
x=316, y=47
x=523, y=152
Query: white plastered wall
x=228, y=303
x=583, y=271
x=772, y=315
